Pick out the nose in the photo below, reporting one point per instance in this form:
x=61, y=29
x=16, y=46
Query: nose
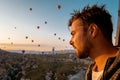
x=71, y=42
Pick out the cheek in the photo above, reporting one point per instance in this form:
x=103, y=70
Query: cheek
x=79, y=41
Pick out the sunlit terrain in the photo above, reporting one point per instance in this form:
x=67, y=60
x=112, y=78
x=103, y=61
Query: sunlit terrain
x=43, y=66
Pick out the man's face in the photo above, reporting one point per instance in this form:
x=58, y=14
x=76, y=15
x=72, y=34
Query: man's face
x=79, y=39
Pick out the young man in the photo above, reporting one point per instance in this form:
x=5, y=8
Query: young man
x=91, y=31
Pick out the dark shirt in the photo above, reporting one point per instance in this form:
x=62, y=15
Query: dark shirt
x=111, y=70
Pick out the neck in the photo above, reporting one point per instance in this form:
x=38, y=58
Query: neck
x=101, y=55
x=99, y=63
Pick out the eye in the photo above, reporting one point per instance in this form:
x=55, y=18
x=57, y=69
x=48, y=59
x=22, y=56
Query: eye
x=72, y=33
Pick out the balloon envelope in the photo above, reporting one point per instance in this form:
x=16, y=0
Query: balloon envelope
x=38, y=27
x=11, y=43
x=23, y=51
x=58, y=6
x=30, y=9
x=26, y=37
x=45, y=22
x=55, y=34
x=59, y=38
x=38, y=45
x=32, y=40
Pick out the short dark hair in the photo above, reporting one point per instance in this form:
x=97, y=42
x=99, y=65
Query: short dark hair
x=97, y=15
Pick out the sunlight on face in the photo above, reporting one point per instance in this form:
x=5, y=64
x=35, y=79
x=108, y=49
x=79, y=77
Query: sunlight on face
x=79, y=39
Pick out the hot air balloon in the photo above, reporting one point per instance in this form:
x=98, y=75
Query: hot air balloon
x=63, y=39
x=53, y=49
x=8, y=37
x=38, y=45
x=26, y=37
x=58, y=6
x=23, y=51
x=14, y=27
x=45, y=22
x=32, y=40
x=30, y=9
x=11, y=43
x=54, y=34
x=38, y=27
x=59, y=38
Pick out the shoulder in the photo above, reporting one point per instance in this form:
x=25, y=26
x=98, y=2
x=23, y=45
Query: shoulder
x=113, y=70
x=116, y=75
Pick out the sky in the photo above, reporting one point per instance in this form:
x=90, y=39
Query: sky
x=18, y=24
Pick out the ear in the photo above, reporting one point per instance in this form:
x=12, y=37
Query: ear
x=93, y=30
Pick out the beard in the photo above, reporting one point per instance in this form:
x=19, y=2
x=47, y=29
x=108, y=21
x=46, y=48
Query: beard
x=84, y=52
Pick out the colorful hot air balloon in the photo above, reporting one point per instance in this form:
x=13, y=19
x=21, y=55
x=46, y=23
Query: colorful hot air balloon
x=58, y=6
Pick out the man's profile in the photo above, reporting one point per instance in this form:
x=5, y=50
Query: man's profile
x=91, y=31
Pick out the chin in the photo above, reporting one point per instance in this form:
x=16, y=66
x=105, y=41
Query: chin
x=81, y=55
